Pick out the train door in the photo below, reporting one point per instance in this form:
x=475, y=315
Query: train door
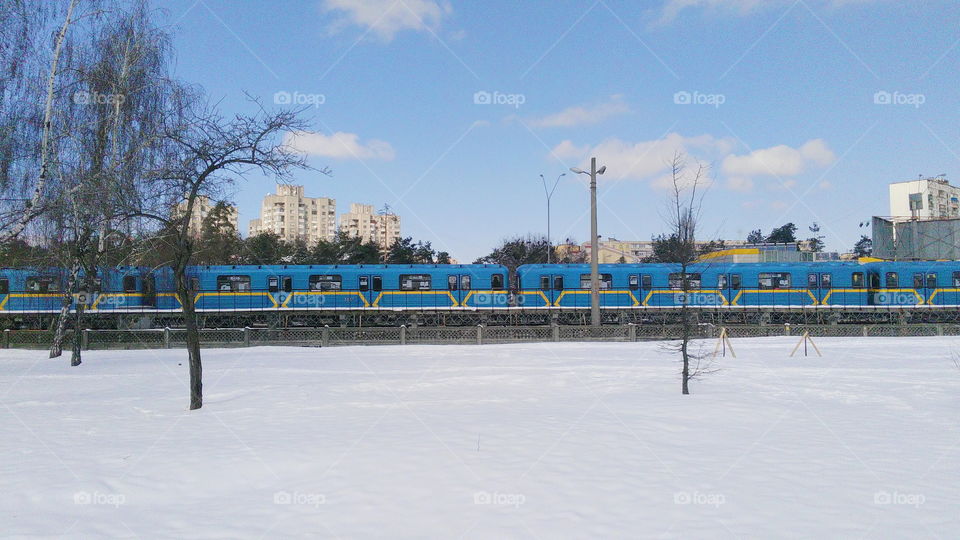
x=466, y=284
x=280, y=288
x=370, y=287
x=149, y=291
x=551, y=285
x=873, y=287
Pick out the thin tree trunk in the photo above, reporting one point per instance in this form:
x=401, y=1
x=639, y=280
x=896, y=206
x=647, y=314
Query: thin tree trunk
x=56, y=348
x=193, y=337
x=77, y=336
x=31, y=210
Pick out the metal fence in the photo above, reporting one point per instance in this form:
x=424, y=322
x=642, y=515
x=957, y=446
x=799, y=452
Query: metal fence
x=169, y=338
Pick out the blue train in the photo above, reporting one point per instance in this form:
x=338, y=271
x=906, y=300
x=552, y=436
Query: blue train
x=223, y=289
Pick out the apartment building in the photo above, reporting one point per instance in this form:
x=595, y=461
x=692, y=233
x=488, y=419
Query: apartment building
x=291, y=215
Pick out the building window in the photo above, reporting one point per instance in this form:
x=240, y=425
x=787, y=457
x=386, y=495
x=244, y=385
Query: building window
x=774, y=280
x=415, y=282
x=233, y=283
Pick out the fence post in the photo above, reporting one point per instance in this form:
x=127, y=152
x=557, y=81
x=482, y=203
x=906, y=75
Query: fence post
x=403, y=334
x=556, y=332
x=631, y=332
x=940, y=330
x=246, y=336
x=325, y=336
x=166, y=337
x=479, y=334
x=85, y=339
x=786, y=329
x=6, y=338
x=866, y=331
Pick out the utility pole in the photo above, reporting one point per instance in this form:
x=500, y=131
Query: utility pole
x=549, y=195
x=594, y=242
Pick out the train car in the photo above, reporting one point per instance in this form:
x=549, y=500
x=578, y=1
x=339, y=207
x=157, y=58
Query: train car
x=916, y=283
x=337, y=287
x=568, y=285
x=31, y=290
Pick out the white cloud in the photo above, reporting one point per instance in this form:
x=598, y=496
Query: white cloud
x=648, y=160
x=779, y=161
x=338, y=146
x=672, y=8
x=584, y=115
x=388, y=17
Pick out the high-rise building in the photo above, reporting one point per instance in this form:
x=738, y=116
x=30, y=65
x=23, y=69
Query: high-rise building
x=924, y=198
x=290, y=216
x=382, y=228
x=201, y=209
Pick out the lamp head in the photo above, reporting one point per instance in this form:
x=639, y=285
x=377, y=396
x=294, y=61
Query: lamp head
x=577, y=170
x=602, y=170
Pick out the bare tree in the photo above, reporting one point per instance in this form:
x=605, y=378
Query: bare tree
x=204, y=154
x=679, y=246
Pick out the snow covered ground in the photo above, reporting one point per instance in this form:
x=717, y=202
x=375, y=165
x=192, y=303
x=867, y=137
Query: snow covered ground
x=504, y=441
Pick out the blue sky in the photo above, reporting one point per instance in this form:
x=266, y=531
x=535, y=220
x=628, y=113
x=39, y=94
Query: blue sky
x=779, y=97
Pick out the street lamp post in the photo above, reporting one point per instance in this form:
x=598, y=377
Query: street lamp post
x=549, y=195
x=594, y=247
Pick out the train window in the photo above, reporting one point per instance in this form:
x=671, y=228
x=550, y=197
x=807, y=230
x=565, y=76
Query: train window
x=634, y=282
x=893, y=280
x=856, y=280
x=451, y=283
x=496, y=281
x=812, y=281
x=328, y=282
x=129, y=284
x=826, y=281
x=415, y=282
x=232, y=283
x=931, y=281
x=722, y=281
x=736, y=281
x=918, y=281
x=97, y=284
x=287, y=284
x=676, y=280
x=195, y=284
x=956, y=279
x=558, y=283
x=377, y=283
x=544, y=283
x=606, y=281
x=646, y=281
x=4, y=286
x=42, y=284
x=465, y=282
x=774, y=280
x=273, y=284
x=364, y=283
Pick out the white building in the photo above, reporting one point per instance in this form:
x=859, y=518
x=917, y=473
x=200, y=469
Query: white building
x=201, y=209
x=924, y=198
x=380, y=228
x=290, y=216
